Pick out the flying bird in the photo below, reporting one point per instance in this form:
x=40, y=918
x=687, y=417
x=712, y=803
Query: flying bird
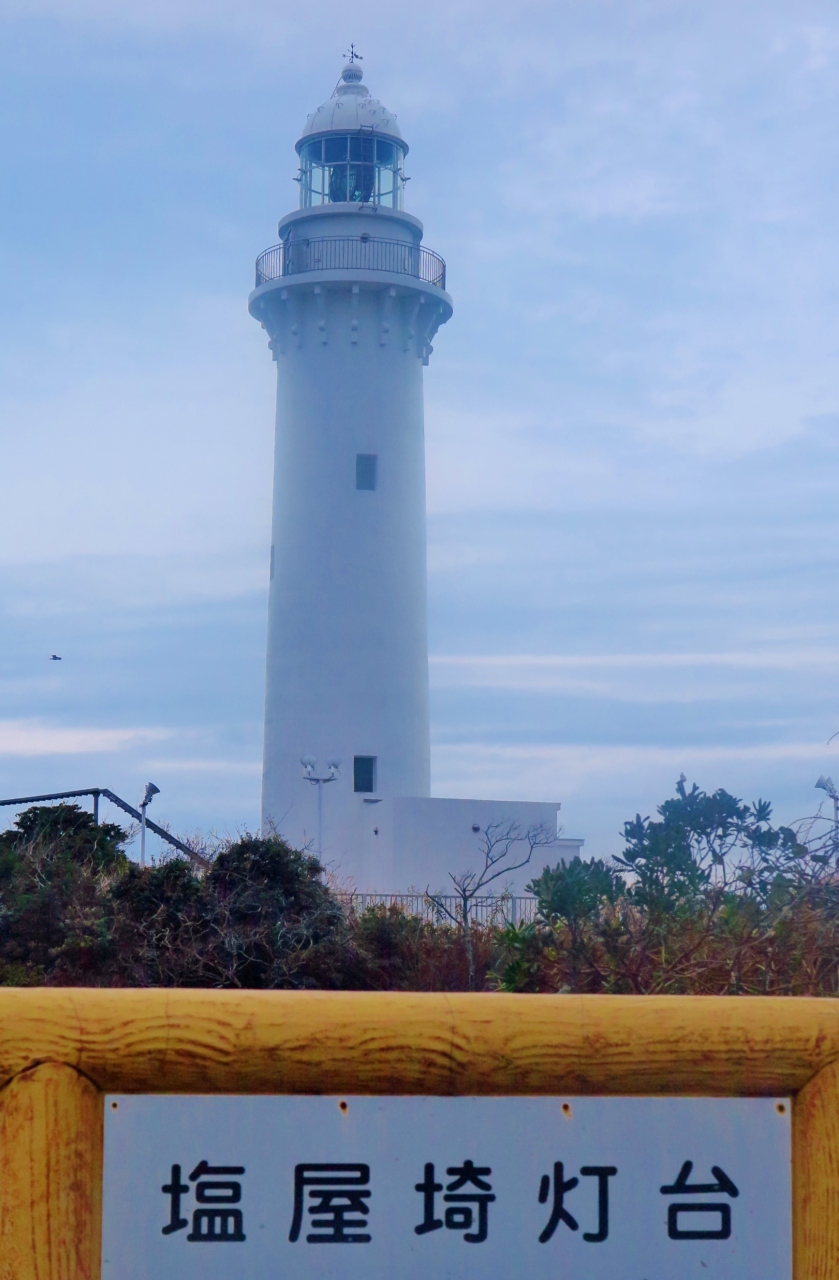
x=54, y=657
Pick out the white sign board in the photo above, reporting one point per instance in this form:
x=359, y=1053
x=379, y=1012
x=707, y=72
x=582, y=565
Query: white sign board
x=427, y=1188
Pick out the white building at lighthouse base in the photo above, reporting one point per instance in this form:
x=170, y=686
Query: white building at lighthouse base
x=403, y=844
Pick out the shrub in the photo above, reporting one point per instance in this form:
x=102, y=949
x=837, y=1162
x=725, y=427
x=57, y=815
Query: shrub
x=400, y=952
x=260, y=917
x=55, y=868
x=707, y=897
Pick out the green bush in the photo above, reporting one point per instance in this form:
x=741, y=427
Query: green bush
x=55, y=869
x=707, y=897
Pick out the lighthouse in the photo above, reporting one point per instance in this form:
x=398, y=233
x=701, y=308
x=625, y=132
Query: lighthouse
x=351, y=300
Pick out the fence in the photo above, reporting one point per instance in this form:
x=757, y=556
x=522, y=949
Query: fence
x=502, y=909
x=351, y=253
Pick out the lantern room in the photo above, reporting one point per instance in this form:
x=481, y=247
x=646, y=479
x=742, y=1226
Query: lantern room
x=351, y=151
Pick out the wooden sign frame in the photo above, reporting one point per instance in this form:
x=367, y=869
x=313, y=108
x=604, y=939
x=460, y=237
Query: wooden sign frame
x=62, y=1049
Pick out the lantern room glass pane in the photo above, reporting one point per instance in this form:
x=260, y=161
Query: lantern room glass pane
x=338, y=184
x=334, y=149
x=362, y=183
x=386, y=179
x=351, y=169
x=362, y=147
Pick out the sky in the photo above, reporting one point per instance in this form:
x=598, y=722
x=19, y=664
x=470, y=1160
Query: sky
x=632, y=417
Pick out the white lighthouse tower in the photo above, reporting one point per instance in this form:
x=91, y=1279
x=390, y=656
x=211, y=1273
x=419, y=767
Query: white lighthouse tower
x=351, y=300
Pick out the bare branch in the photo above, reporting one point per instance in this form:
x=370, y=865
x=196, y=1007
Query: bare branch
x=499, y=842
x=440, y=903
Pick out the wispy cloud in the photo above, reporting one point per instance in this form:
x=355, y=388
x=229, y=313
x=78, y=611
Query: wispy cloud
x=34, y=738
x=569, y=766
x=228, y=767
x=601, y=786
x=507, y=670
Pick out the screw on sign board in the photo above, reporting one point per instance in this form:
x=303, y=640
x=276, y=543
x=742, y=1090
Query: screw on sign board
x=643, y=1138
x=586, y=1188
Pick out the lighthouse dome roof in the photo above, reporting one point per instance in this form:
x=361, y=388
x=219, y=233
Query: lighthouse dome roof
x=350, y=109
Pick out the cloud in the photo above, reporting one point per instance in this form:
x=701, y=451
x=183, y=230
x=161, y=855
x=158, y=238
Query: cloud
x=35, y=738
x=226, y=767
x=128, y=586
x=137, y=464
x=155, y=15
x=487, y=766
x=599, y=786
x=568, y=671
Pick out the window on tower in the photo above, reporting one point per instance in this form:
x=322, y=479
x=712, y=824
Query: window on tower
x=354, y=168
x=364, y=773
x=366, y=466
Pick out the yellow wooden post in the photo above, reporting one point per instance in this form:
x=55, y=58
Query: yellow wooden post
x=50, y=1176
x=815, y=1177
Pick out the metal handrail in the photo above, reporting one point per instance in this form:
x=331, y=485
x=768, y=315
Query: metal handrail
x=351, y=253
x=96, y=792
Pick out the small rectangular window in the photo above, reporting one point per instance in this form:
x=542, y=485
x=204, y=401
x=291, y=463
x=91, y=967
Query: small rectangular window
x=365, y=470
x=364, y=773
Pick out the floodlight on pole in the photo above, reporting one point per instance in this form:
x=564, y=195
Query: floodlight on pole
x=151, y=791
x=827, y=784
x=309, y=764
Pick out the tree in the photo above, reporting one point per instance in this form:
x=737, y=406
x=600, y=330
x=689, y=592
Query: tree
x=574, y=891
x=502, y=844
x=56, y=864
x=705, y=849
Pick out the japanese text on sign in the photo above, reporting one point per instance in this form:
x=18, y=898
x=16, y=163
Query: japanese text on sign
x=676, y=1185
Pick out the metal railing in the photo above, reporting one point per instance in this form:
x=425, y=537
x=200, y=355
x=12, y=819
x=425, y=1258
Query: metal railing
x=502, y=909
x=194, y=855
x=351, y=253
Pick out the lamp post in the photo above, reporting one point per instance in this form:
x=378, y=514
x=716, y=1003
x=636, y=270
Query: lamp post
x=309, y=764
x=151, y=790
x=827, y=784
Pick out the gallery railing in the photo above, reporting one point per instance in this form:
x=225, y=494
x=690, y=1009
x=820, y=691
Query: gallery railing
x=351, y=253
